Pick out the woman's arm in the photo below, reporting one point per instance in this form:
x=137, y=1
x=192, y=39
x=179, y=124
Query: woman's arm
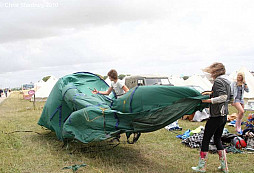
x=106, y=92
x=219, y=99
x=246, y=88
x=207, y=101
x=103, y=92
x=125, y=88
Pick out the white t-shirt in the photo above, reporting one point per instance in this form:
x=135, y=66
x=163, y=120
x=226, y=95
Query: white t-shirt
x=118, y=87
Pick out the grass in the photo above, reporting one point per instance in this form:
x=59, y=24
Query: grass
x=155, y=152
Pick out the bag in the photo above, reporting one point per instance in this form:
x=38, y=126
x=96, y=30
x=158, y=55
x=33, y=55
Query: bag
x=250, y=143
x=249, y=124
x=239, y=142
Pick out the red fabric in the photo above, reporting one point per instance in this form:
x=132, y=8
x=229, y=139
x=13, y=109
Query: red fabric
x=203, y=154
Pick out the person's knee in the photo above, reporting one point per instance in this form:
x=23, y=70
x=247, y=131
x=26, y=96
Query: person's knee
x=241, y=112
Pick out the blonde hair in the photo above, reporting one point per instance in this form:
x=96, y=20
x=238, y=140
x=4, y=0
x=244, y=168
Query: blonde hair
x=243, y=78
x=216, y=69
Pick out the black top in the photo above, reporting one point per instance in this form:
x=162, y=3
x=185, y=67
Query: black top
x=220, y=87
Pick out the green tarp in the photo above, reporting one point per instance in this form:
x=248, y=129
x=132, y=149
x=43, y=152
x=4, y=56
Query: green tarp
x=73, y=112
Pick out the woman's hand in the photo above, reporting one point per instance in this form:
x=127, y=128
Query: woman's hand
x=207, y=93
x=95, y=91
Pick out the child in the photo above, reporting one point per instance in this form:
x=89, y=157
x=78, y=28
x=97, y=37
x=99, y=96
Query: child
x=118, y=87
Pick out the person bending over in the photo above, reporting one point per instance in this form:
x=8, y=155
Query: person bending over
x=119, y=88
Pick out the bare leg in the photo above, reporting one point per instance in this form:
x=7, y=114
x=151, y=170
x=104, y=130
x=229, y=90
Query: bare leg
x=240, y=109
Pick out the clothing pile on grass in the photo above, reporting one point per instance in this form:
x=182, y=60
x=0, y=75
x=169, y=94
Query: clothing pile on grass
x=192, y=138
x=231, y=142
x=232, y=120
x=198, y=116
x=173, y=126
x=248, y=132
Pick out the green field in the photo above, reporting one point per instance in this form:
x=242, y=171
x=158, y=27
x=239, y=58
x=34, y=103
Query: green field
x=38, y=149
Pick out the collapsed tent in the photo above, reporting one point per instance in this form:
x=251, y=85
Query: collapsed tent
x=73, y=112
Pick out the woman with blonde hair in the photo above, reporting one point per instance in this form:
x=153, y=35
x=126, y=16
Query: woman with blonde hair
x=237, y=88
x=218, y=104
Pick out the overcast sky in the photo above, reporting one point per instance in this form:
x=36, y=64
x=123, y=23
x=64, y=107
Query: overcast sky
x=168, y=37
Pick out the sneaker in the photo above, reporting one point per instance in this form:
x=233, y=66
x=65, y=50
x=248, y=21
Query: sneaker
x=233, y=122
x=240, y=132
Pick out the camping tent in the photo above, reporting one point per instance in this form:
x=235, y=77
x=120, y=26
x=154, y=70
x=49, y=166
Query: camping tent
x=249, y=78
x=197, y=80
x=73, y=112
x=176, y=81
x=38, y=85
x=45, y=88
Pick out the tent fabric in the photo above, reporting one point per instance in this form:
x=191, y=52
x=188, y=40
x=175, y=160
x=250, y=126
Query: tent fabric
x=73, y=112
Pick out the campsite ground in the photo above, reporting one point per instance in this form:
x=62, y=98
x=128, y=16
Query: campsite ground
x=38, y=150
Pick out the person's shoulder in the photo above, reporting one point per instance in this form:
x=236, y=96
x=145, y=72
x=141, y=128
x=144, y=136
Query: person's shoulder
x=223, y=79
x=119, y=82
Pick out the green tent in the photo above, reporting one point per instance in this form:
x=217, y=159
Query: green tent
x=73, y=112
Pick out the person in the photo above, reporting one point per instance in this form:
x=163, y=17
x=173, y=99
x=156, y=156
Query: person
x=119, y=88
x=5, y=92
x=1, y=91
x=116, y=85
x=238, y=87
x=218, y=107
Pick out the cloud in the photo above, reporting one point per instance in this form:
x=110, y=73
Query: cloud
x=33, y=19
x=134, y=37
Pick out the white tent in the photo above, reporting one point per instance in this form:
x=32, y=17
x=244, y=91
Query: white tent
x=38, y=84
x=176, y=81
x=197, y=80
x=249, y=78
x=43, y=92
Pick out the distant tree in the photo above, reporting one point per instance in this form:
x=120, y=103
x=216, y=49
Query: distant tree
x=185, y=77
x=46, y=78
x=121, y=76
x=105, y=77
x=100, y=76
x=252, y=72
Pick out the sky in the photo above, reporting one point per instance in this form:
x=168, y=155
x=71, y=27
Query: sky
x=41, y=38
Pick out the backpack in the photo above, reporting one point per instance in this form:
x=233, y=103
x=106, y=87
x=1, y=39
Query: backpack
x=239, y=142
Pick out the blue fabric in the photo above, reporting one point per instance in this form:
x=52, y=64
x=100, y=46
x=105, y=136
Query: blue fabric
x=185, y=135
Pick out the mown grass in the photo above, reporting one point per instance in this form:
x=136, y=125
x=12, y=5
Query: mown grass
x=156, y=152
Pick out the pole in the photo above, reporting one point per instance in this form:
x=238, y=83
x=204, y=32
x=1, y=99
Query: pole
x=34, y=102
